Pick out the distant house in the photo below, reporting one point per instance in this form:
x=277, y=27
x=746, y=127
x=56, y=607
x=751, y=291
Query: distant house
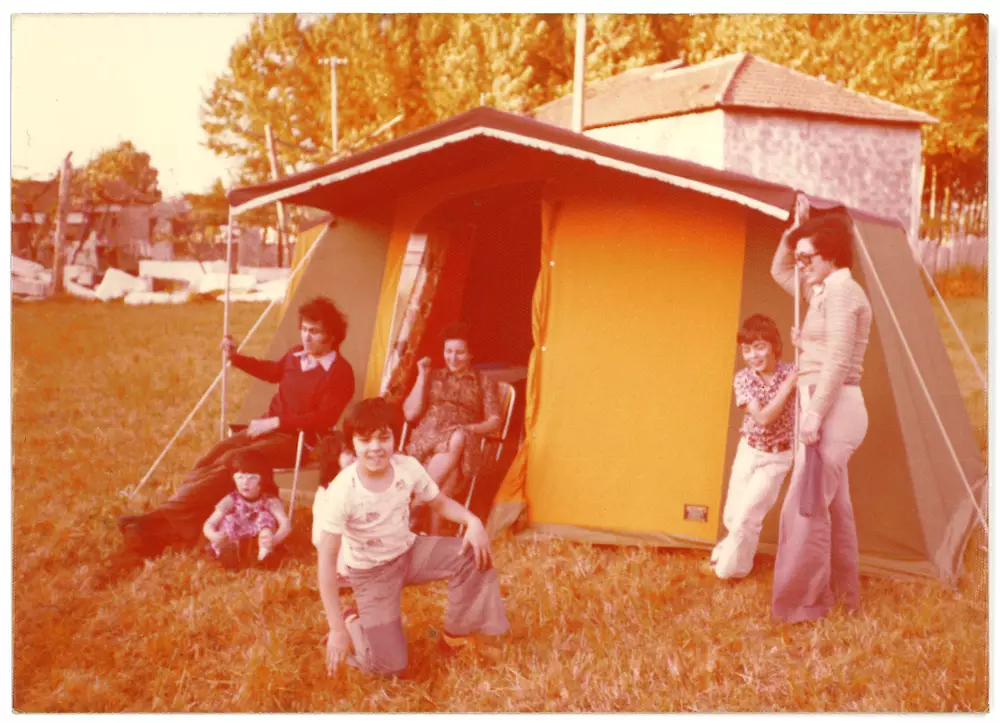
x=745, y=114
x=125, y=222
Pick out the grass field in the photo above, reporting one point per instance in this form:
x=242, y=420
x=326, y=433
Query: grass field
x=99, y=389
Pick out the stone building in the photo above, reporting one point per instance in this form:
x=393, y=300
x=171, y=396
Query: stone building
x=746, y=114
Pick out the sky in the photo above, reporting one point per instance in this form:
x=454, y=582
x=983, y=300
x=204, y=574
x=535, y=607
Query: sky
x=84, y=83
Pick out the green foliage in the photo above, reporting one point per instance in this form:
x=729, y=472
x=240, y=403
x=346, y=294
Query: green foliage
x=429, y=67
x=426, y=67
x=211, y=208
x=932, y=63
x=122, y=174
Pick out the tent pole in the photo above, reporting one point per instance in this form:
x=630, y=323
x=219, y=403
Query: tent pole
x=954, y=325
x=800, y=214
x=798, y=331
x=260, y=320
x=197, y=406
x=225, y=322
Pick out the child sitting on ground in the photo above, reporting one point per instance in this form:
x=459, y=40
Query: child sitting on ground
x=765, y=389
x=367, y=513
x=252, y=510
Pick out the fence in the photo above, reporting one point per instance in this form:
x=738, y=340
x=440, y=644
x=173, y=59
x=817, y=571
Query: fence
x=965, y=251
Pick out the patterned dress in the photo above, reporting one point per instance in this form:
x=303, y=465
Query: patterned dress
x=247, y=517
x=454, y=399
x=776, y=436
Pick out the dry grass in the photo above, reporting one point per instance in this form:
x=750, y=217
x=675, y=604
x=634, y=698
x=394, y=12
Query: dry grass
x=98, y=389
x=970, y=315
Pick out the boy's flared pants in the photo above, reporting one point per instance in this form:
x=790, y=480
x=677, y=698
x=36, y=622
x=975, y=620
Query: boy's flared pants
x=474, y=603
x=817, y=563
x=754, y=485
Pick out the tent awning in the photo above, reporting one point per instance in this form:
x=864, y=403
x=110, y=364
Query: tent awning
x=475, y=137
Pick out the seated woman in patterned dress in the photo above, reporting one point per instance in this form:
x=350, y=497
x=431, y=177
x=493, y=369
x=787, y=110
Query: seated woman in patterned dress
x=456, y=406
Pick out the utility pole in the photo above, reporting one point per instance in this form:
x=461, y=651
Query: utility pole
x=62, y=211
x=272, y=156
x=579, y=64
x=334, y=62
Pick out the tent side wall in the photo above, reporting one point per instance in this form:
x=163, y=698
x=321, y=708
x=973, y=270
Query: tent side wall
x=643, y=286
x=903, y=313
x=347, y=266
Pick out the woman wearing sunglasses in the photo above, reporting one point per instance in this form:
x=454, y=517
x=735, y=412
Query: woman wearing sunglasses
x=817, y=561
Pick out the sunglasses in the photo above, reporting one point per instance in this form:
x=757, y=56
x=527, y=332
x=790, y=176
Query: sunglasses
x=805, y=259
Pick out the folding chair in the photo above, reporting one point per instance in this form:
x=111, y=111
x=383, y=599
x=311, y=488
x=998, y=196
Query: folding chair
x=507, y=398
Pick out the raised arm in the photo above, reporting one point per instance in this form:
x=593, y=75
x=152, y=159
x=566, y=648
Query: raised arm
x=783, y=265
x=415, y=402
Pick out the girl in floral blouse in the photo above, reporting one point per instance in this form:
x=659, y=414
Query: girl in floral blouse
x=765, y=390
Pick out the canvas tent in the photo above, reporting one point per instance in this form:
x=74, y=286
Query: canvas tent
x=618, y=279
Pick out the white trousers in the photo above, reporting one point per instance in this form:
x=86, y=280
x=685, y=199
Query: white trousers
x=754, y=485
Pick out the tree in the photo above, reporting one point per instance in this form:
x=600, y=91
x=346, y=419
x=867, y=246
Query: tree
x=119, y=175
x=211, y=208
x=429, y=67
x=932, y=63
x=208, y=212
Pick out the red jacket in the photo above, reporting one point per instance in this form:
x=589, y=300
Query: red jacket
x=311, y=401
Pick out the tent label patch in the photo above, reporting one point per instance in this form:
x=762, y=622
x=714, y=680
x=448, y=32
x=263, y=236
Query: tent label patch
x=696, y=513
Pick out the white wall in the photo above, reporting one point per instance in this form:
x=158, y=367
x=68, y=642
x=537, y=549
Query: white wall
x=694, y=137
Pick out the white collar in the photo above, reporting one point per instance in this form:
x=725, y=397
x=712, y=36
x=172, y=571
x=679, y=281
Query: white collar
x=307, y=362
x=837, y=276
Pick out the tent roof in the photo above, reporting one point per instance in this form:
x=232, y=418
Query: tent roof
x=364, y=184
x=741, y=81
x=477, y=137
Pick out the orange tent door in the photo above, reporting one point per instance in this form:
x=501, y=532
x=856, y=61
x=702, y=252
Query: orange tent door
x=637, y=361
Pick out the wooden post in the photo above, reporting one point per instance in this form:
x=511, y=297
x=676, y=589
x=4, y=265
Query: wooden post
x=334, y=130
x=62, y=212
x=946, y=213
x=931, y=225
x=272, y=156
x=579, y=68
x=920, y=204
x=225, y=324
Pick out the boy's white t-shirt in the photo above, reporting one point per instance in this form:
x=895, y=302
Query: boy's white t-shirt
x=375, y=526
x=319, y=510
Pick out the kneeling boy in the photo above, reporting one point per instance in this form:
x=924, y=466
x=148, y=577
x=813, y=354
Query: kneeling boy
x=367, y=510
